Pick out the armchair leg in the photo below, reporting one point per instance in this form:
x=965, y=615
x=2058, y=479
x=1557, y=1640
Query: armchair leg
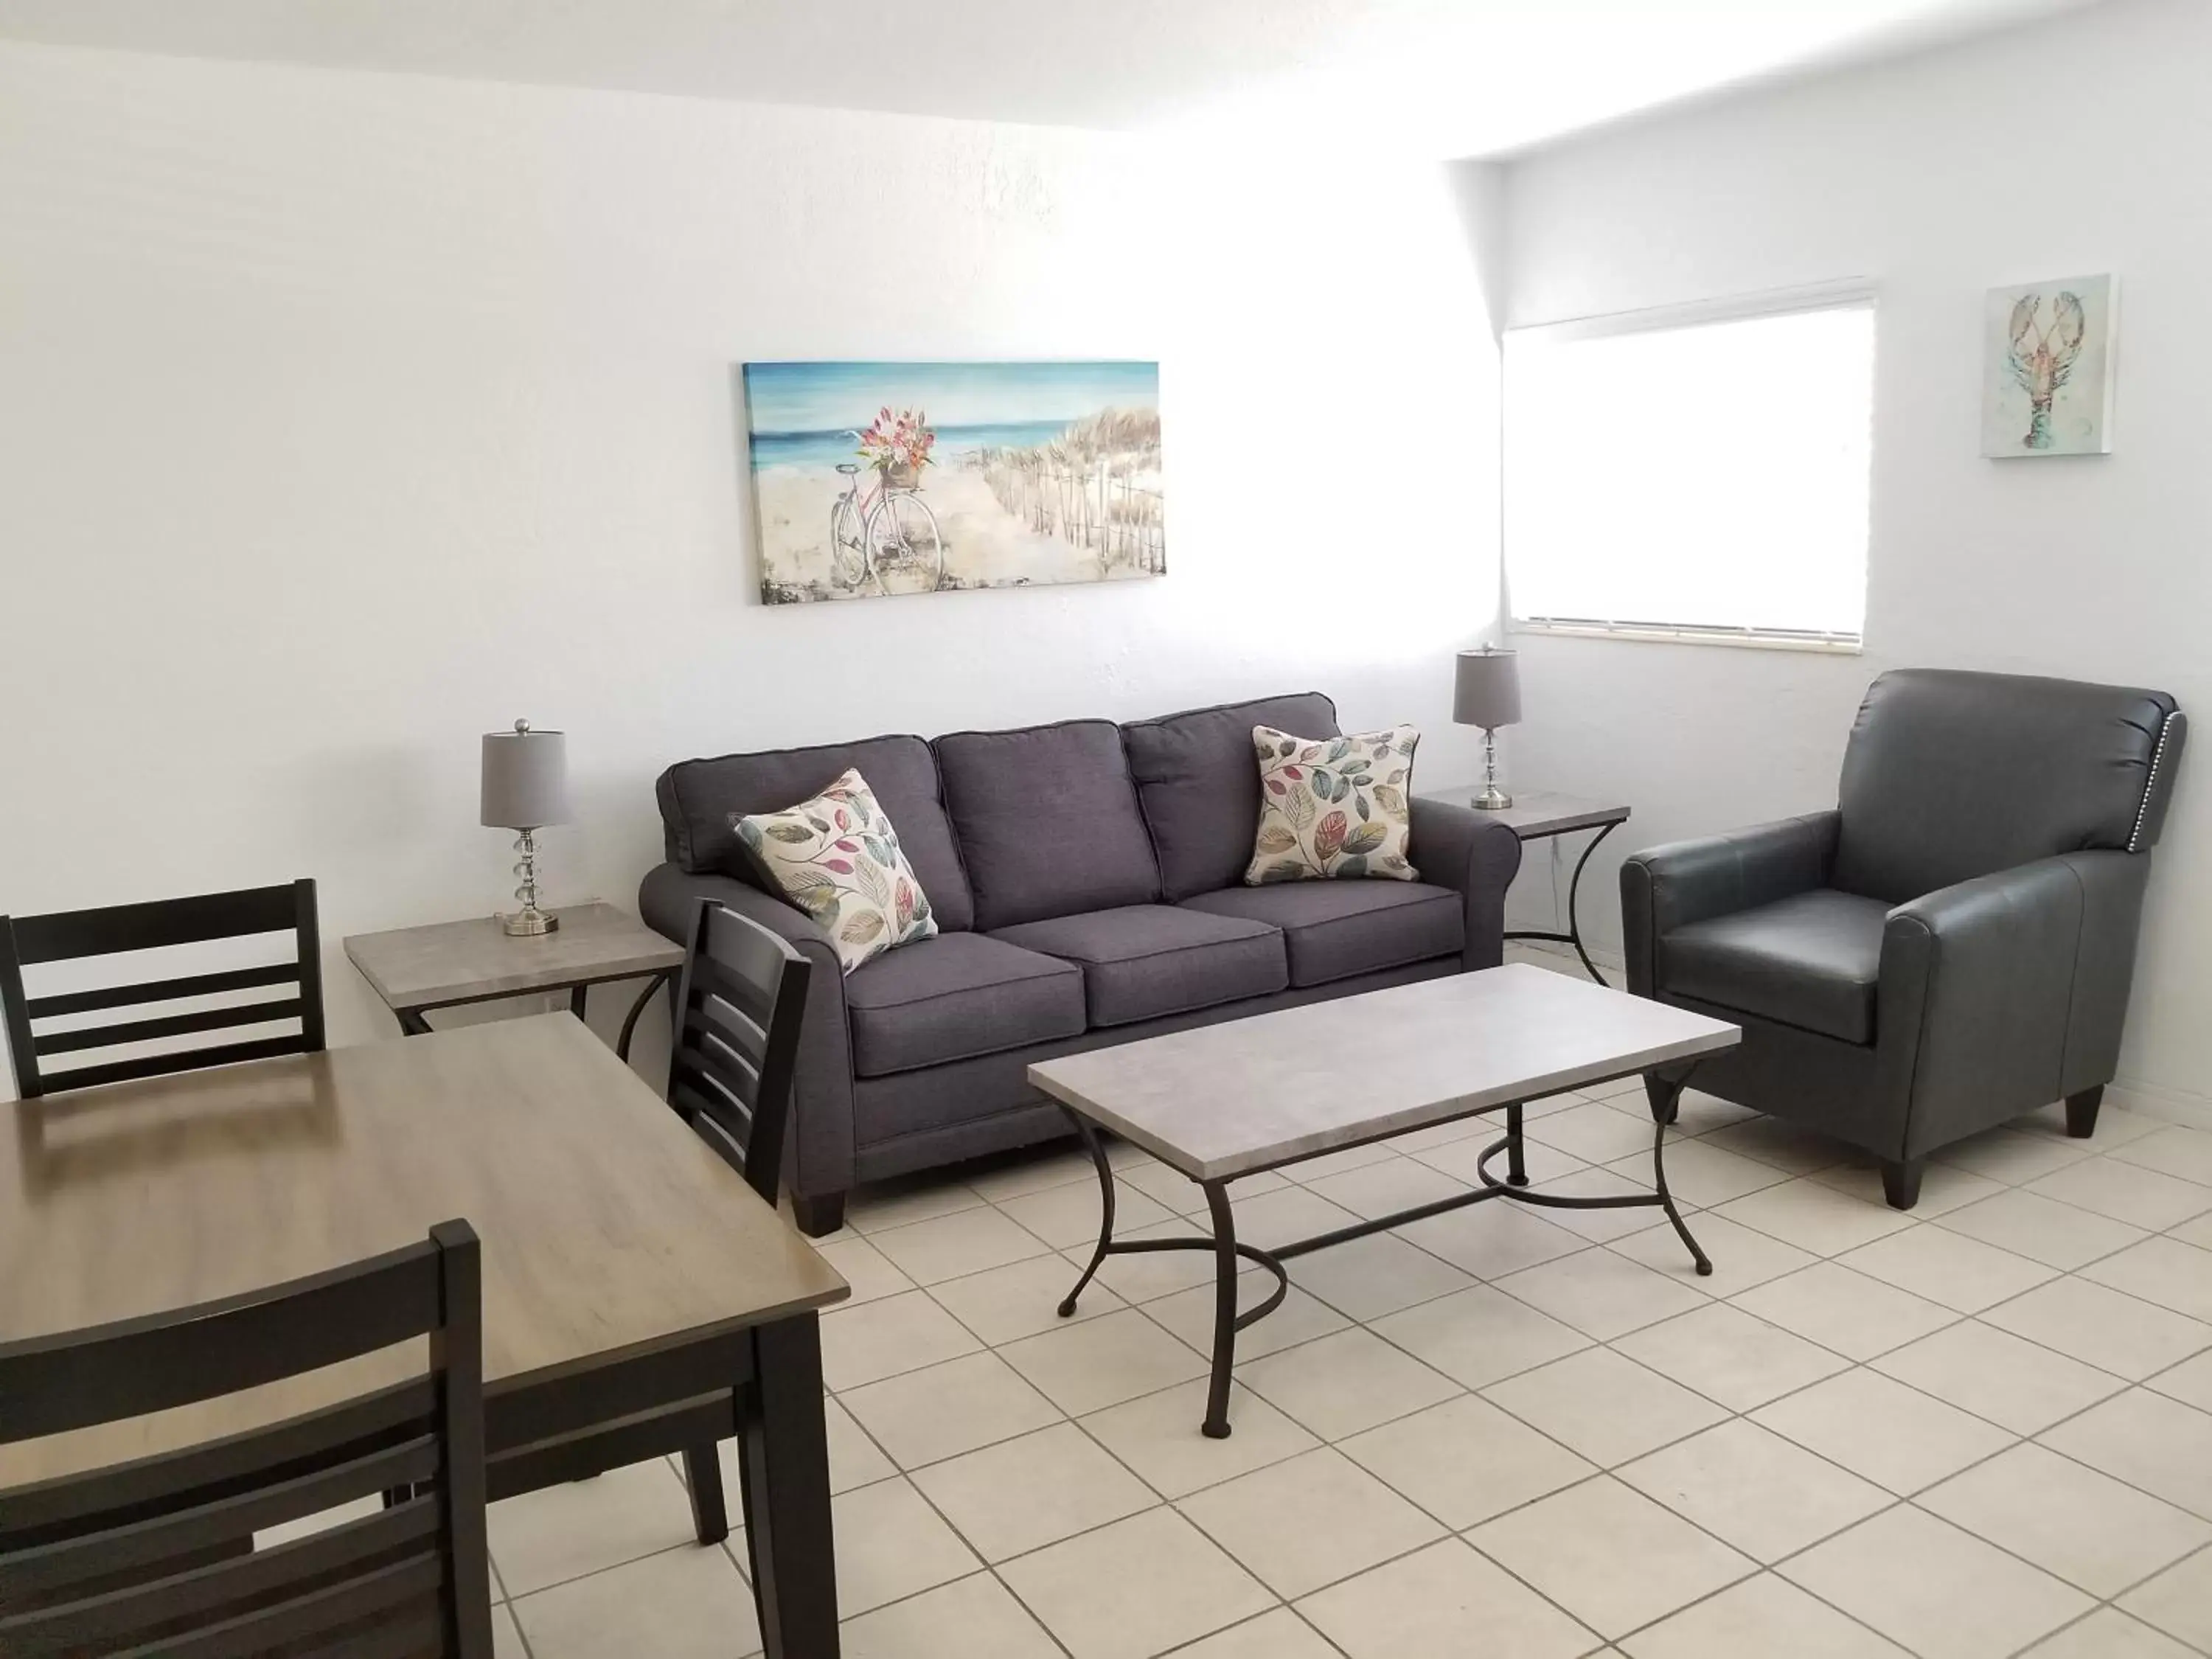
x=823, y=1214
x=1900, y=1181
x=2082, y=1112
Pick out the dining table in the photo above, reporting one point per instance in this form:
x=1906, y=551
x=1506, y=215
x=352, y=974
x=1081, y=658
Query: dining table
x=639, y=1299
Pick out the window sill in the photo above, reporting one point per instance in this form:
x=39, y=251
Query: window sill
x=1830, y=645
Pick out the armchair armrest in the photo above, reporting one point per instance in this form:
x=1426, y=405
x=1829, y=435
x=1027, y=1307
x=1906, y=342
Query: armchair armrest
x=822, y=1091
x=2007, y=992
x=1668, y=887
x=1475, y=856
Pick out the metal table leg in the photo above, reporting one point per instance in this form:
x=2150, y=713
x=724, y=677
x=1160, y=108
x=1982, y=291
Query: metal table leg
x=1574, y=934
x=1227, y=1253
x=665, y=976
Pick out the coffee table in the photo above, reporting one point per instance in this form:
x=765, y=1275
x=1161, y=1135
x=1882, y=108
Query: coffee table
x=1246, y=1096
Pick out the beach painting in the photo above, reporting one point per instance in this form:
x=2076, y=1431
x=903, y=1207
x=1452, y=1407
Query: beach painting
x=2047, y=381
x=878, y=478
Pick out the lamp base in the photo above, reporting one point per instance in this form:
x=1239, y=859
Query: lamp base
x=528, y=922
x=1491, y=799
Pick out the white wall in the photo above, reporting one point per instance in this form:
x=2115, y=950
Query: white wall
x=2082, y=144
x=344, y=417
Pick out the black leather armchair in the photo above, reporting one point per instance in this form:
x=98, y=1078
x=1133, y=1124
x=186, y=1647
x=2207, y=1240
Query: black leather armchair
x=1949, y=948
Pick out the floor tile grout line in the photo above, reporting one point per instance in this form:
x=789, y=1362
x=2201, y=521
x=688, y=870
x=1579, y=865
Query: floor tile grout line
x=1959, y=1319
x=1281, y=1606
x=2124, y=1385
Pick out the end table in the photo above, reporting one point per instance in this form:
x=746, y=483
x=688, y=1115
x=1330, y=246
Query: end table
x=1536, y=814
x=416, y=969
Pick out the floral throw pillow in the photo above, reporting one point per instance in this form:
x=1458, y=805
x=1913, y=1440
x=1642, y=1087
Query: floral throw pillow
x=837, y=858
x=1332, y=806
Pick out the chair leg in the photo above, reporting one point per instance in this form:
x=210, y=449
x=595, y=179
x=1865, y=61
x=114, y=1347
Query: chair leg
x=823, y=1214
x=2082, y=1112
x=1900, y=1181
x=703, y=1472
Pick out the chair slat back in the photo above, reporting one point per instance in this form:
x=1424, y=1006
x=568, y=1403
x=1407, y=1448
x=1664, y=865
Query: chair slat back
x=739, y=1007
x=76, y=935
x=157, y=1553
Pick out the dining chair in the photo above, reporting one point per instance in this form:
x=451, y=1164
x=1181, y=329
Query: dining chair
x=739, y=1008
x=156, y=1554
x=731, y=1056
x=77, y=935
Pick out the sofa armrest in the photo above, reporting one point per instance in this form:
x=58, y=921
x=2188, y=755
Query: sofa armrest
x=1663, y=888
x=2007, y=992
x=821, y=1159
x=1477, y=857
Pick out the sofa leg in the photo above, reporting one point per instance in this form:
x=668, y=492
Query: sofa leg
x=1665, y=1099
x=2082, y=1112
x=823, y=1214
x=1900, y=1181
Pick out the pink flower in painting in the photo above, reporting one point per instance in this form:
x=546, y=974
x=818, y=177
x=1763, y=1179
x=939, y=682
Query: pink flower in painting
x=902, y=441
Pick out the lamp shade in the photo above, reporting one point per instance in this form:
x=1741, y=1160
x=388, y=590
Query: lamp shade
x=1488, y=693
x=525, y=778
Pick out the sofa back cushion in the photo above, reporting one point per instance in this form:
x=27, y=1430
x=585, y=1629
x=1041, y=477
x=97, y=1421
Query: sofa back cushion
x=698, y=799
x=1200, y=790
x=1951, y=775
x=1047, y=821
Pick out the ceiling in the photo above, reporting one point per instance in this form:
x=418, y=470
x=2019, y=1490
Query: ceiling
x=1445, y=77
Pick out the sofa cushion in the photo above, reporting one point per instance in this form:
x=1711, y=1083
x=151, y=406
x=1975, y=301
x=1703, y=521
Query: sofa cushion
x=837, y=857
x=1812, y=960
x=956, y=995
x=1200, y=791
x=700, y=798
x=1141, y=961
x=1334, y=929
x=1333, y=808
x=1047, y=821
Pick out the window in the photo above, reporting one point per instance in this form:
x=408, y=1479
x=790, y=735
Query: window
x=1700, y=473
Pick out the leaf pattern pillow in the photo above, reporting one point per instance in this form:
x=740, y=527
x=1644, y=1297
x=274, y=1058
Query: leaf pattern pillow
x=837, y=858
x=1332, y=806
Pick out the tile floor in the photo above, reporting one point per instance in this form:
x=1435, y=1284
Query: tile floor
x=1983, y=1428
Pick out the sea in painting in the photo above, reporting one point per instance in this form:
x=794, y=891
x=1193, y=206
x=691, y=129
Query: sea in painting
x=874, y=478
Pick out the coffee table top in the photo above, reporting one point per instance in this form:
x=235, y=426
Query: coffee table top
x=464, y=961
x=1249, y=1094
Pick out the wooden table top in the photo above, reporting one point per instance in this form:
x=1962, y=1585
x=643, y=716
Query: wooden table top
x=608, y=1225
x=1248, y=1094
x=459, y=961
x=1537, y=813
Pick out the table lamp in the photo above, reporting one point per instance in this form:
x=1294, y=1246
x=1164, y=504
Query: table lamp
x=1488, y=695
x=526, y=787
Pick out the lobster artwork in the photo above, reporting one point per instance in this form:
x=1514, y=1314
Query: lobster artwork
x=2044, y=350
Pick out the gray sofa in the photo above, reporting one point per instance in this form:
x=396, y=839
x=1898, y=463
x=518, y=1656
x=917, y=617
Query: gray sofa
x=1953, y=945
x=1087, y=878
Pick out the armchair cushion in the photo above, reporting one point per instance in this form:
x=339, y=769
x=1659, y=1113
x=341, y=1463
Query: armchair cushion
x=1335, y=929
x=1950, y=776
x=1813, y=960
x=1141, y=961
x=956, y=995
